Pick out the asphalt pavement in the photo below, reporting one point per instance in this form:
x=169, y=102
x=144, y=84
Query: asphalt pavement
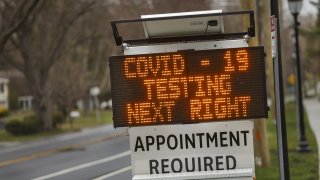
x=97, y=153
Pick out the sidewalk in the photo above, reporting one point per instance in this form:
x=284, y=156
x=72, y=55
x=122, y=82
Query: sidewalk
x=312, y=107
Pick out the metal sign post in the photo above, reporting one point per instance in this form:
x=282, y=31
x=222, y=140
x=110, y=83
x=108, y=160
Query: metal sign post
x=279, y=96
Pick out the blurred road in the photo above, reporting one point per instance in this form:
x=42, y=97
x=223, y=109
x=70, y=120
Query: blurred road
x=99, y=153
x=312, y=107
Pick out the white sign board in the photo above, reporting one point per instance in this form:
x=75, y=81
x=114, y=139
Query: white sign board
x=74, y=114
x=94, y=91
x=196, y=151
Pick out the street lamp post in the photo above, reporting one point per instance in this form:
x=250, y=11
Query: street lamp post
x=295, y=7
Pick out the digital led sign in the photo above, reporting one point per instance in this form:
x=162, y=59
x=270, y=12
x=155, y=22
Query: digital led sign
x=188, y=86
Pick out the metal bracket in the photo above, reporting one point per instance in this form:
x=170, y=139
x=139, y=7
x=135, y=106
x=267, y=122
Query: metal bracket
x=125, y=46
x=119, y=39
x=246, y=38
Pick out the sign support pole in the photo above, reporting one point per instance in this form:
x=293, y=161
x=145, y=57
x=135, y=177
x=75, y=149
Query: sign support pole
x=280, y=111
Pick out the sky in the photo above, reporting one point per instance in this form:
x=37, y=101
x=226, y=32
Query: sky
x=307, y=8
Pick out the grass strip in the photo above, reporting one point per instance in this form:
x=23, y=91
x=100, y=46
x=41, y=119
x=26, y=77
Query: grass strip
x=303, y=166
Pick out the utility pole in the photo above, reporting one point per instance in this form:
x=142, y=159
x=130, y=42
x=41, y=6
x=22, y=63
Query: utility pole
x=265, y=36
x=261, y=135
x=317, y=5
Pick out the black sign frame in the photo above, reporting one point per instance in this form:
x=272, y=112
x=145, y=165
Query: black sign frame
x=128, y=91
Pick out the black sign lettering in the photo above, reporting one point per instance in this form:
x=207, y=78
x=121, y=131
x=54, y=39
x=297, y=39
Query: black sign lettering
x=206, y=163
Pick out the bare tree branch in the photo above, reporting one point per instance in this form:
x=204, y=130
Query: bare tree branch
x=56, y=51
x=12, y=62
x=17, y=21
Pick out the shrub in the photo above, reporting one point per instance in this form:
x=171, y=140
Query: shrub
x=14, y=127
x=29, y=125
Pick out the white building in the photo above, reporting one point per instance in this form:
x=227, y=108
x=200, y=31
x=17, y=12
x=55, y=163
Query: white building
x=4, y=93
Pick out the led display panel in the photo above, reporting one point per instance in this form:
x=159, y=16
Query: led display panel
x=188, y=86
